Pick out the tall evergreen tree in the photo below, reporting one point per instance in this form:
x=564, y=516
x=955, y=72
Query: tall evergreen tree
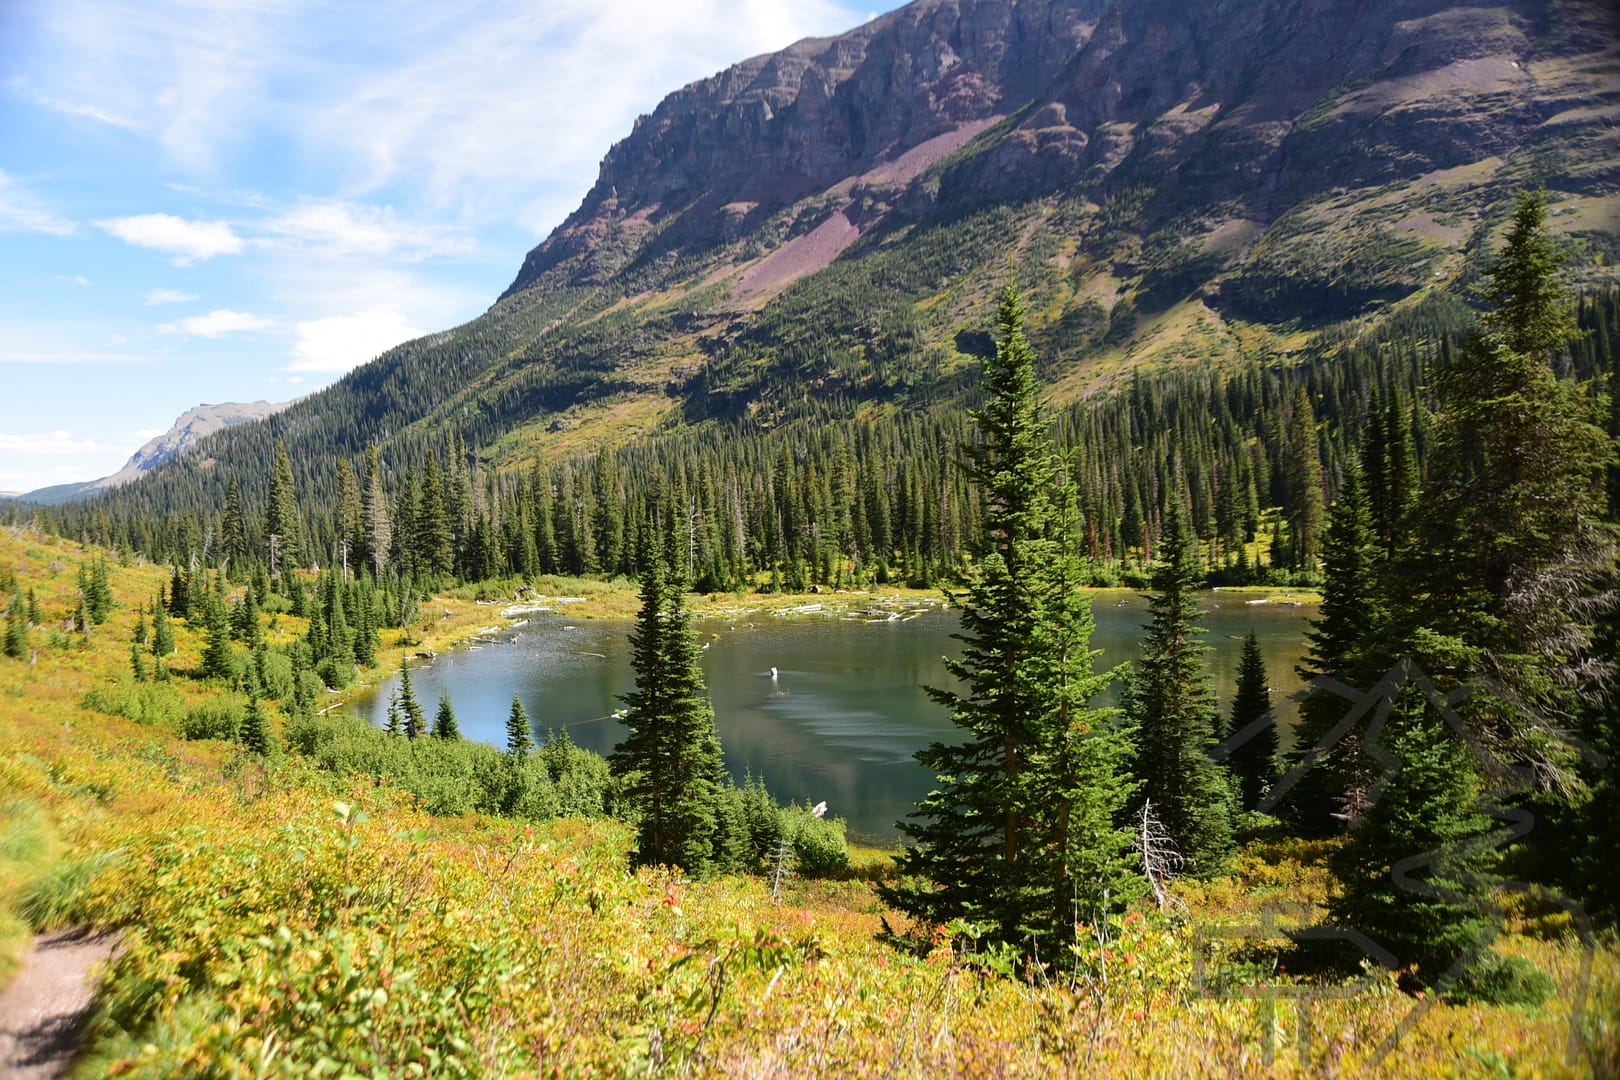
x=233, y=527
x=1414, y=872
x=375, y=535
x=670, y=763
x=17, y=627
x=218, y=659
x=1020, y=832
x=1253, y=762
x=1350, y=642
x=256, y=734
x=281, y=522
x=1173, y=709
x=444, y=721
x=415, y=724
x=519, y=739
x=162, y=631
x=1512, y=542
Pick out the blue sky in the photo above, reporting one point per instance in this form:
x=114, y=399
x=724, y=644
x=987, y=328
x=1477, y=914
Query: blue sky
x=229, y=200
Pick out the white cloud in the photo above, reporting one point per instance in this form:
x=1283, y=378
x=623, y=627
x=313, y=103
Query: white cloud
x=186, y=240
x=63, y=356
x=48, y=444
x=472, y=108
x=115, y=341
x=337, y=344
x=217, y=324
x=155, y=297
x=74, y=279
x=22, y=211
x=343, y=229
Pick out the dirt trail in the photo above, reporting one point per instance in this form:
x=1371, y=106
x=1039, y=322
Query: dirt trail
x=42, y=1011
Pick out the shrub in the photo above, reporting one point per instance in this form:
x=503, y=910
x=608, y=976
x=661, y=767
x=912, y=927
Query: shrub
x=217, y=718
x=144, y=703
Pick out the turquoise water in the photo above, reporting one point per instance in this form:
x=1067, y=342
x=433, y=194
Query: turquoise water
x=840, y=719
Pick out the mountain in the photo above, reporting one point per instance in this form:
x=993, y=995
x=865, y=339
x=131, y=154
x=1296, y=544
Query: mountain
x=816, y=233
x=192, y=425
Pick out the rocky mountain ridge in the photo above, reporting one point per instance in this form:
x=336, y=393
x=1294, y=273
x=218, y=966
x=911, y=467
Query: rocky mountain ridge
x=818, y=233
x=190, y=427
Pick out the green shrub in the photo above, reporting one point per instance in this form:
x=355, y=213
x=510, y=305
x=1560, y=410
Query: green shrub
x=49, y=901
x=144, y=703
x=217, y=718
x=819, y=849
x=1502, y=980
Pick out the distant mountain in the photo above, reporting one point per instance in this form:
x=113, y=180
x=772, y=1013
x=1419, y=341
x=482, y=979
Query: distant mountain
x=192, y=425
x=818, y=232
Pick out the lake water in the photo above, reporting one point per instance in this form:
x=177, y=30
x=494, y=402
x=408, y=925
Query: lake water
x=842, y=716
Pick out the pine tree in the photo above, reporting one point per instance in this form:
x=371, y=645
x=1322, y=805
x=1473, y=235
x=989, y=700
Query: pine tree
x=375, y=535
x=17, y=627
x=232, y=528
x=35, y=618
x=669, y=763
x=1349, y=642
x=218, y=659
x=1512, y=540
x=395, y=723
x=137, y=662
x=1253, y=762
x=1020, y=832
x=256, y=735
x=162, y=631
x=415, y=723
x=519, y=737
x=444, y=722
x=1414, y=872
x=281, y=522
x=1173, y=709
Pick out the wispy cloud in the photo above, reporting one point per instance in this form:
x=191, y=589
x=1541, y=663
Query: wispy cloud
x=66, y=356
x=22, y=211
x=337, y=228
x=49, y=444
x=388, y=97
x=187, y=241
x=155, y=297
x=75, y=279
x=217, y=324
x=337, y=344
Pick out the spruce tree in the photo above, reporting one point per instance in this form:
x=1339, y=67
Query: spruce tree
x=281, y=524
x=1414, y=874
x=1350, y=642
x=17, y=627
x=256, y=734
x=162, y=631
x=1173, y=710
x=218, y=659
x=1253, y=762
x=1020, y=831
x=669, y=763
x=415, y=722
x=395, y=722
x=232, y=528
x=34, y=617
x=1512, y=543
x=519, y=738
x=444, y=721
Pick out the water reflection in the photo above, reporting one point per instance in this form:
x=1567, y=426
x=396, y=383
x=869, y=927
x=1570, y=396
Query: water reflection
x=841, y=716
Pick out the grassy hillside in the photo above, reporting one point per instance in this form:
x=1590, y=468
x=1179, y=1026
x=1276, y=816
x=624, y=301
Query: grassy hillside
x=283, y=920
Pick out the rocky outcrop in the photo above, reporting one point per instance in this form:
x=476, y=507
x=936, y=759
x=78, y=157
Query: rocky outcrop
x=1243, y=108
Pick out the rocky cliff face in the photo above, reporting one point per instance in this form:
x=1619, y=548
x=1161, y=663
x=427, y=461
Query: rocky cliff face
x=191, y=426
x=1233, y=113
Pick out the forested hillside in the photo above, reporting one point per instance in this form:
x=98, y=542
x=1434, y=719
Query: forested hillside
x=769, y=297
